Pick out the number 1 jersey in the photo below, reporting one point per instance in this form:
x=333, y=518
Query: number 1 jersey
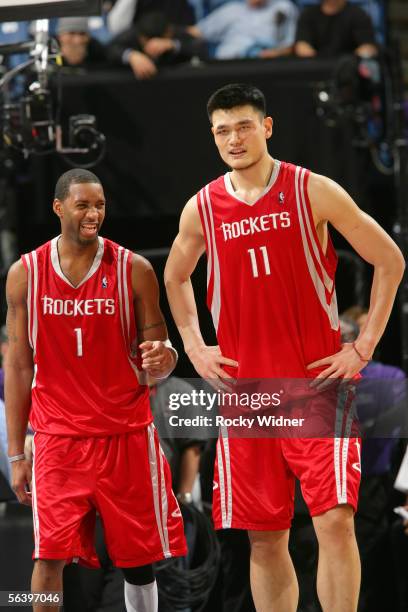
x=270, y=287
x=86, y=360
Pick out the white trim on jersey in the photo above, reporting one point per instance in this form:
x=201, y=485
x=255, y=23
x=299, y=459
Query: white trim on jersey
x=35, y=315
x=57, y=266
x=36, y=521
x=119, y=275
x=164, y=502
x=124, y=310
x=159, y=500
x=273, y=178
x=32, y=294
x=328, y=282
x=220, y=466
x=224, y=477
x=330, y=309
x=125, y=290
x=29, y=298
x=216, y=297
x=208, y=237
x=343, y=427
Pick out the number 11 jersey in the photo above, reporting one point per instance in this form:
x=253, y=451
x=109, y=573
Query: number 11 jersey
x=270, y=286
x=84, y=341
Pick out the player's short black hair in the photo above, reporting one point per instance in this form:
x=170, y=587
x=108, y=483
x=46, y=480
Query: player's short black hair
x=236, y=94
x=73, y=177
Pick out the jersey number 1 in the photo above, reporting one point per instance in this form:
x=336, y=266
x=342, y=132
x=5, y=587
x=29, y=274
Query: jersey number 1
x=78, y=333
x=254, y=262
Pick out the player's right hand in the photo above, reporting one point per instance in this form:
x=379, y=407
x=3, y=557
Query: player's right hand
x=143, y=67
x=21, y=475
x=208, y=362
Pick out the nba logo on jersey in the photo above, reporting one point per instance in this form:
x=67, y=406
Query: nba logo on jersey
x=281, y=197
x=104, y=283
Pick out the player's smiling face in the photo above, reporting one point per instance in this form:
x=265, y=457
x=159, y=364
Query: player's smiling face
x=82, y=212
x=240, y=134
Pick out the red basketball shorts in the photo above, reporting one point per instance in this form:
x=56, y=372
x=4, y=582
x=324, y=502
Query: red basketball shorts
x=125, y=478
x=254, y=481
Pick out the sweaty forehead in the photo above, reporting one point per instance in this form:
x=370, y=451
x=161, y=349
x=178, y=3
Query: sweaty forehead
x=234, y=115
x=86, y=191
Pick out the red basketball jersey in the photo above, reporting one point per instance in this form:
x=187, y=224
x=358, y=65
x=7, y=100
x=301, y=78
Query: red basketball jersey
x=270, y=287
x=86, y=363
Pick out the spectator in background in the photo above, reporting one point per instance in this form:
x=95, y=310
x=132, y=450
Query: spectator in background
x=380, y=405
x=120, y=17
x=203, y=7
x=245, y=29
x=78, y=48
x=333, y=28
x=125, y=13
x=400, y=540
x=154, y=42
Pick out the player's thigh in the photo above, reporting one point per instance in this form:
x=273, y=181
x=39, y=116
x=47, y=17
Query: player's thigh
x=329, y=470
x=253, y=489
x=140, y=514
x=62, y=488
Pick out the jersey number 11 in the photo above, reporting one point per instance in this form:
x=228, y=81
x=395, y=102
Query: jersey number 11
x=254, y=262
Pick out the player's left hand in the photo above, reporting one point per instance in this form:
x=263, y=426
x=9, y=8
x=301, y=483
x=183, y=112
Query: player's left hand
x=345, y=365
x=158, y=360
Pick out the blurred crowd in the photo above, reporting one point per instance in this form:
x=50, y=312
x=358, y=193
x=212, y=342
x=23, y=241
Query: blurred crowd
x=148, y=34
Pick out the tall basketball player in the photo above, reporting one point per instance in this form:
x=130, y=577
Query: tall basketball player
x=85, y=327
x=271, y=269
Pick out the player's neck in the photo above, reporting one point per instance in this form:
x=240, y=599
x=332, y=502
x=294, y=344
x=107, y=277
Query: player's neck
x=70, y=248
x=254, y=177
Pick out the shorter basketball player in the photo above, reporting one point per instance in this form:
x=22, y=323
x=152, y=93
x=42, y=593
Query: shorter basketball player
x=270, y=289
x=84, y=328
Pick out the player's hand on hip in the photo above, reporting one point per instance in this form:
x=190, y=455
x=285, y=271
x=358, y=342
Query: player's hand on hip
x=157, y=359
x=345, y=364
x=21, y=475
x=208, y=362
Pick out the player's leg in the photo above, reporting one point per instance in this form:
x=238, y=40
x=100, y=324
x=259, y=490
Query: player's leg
x=329, y=473
x=339, y=573
x=254, y=490
x=140, y=589
x=47, y=576
x=63, y=516
x=273, y=578
x=141, y=518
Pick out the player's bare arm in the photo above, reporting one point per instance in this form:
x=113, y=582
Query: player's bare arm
x=158, y=360
x=18, y=379
x=187, y=249
x=330, y=203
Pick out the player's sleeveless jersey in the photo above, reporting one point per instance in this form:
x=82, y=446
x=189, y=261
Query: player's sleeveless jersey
x=84, y=341
x=270, y=287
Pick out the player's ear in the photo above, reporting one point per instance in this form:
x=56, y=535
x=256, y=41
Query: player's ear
x=268, y=126
x=57, y=208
